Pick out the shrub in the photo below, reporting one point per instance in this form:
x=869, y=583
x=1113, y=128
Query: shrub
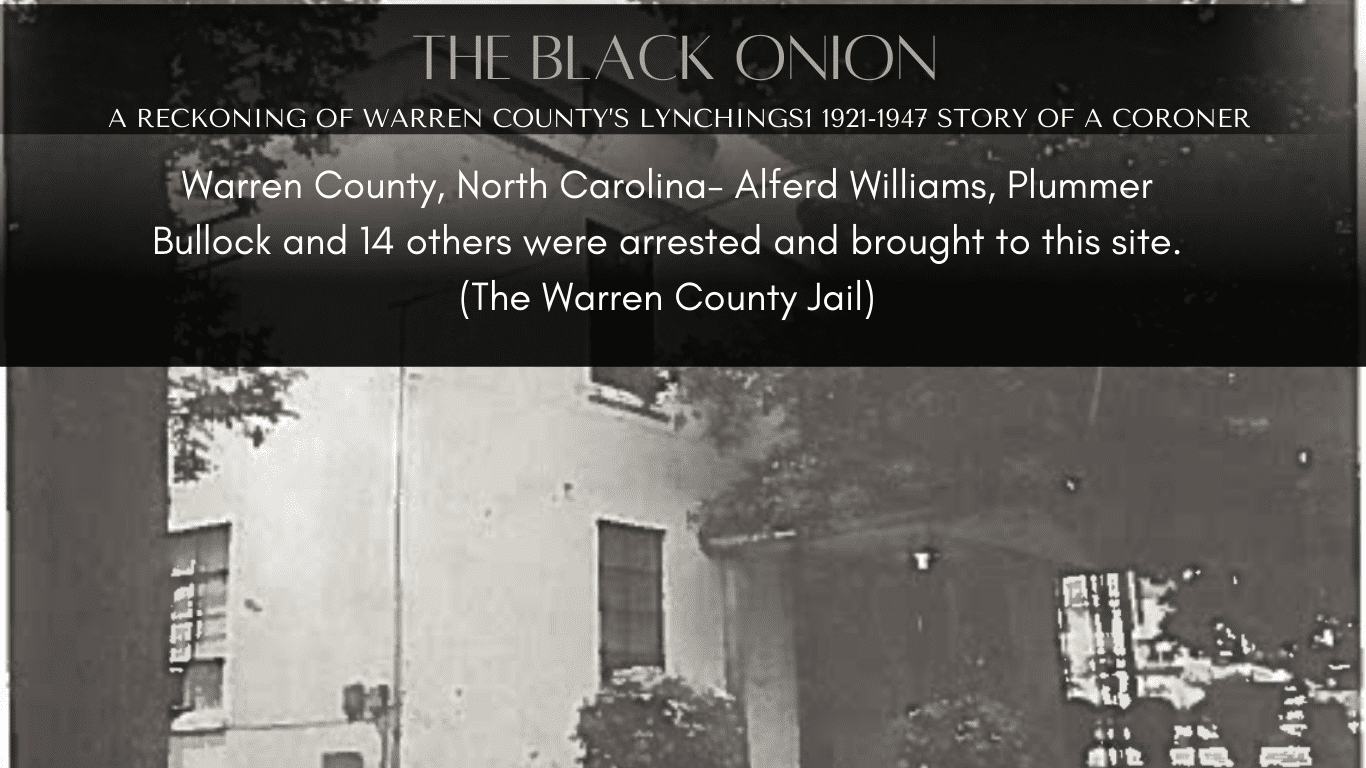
x=643, y=718
x=968, y=731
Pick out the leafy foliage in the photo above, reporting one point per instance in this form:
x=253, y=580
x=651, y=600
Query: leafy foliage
x=241, y=60
x=861, y=441
x=202, y=306
x=1175, y=162
x=1205, y=456
x=244, y=60
x=202, y=400
x=966, y=731
x=643, y=719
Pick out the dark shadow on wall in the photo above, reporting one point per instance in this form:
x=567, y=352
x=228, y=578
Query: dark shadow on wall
x=88, y=581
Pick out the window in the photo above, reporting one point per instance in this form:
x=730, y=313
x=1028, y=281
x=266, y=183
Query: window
x=642, y=390
x=343, y=760
x=630, y=597
x=199, y=614
x=202, y=686
x=620, y=336
x=1096, y=624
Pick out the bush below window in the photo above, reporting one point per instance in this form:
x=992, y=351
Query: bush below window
x=643, y=718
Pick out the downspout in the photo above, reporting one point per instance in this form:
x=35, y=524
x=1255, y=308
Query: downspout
x=396, y=709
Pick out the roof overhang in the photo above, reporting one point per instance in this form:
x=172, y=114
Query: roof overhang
x=1021, y=531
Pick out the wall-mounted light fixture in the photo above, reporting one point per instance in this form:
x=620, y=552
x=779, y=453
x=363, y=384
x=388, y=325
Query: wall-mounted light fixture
x=923, y=558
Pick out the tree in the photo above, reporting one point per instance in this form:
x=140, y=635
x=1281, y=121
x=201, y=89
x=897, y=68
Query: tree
x=280, y=59
x=1069, y=299
x=874, y=440
x=291, y=59
x=250, y=401
x=1158, y=468
x=195, y=55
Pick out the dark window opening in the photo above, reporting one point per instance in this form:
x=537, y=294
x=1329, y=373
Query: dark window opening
x=200, y=686
x=343, y=760
x=630, y=597
x=639, y=389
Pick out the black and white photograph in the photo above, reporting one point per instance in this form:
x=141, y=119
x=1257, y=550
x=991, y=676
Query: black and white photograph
x=728, y=567
x=677, y=184
x=682, y=385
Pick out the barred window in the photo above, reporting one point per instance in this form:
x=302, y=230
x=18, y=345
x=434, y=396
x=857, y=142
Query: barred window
x=199, y=614
x=202, y=686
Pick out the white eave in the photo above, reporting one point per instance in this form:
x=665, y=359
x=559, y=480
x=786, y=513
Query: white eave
x=1019, y=530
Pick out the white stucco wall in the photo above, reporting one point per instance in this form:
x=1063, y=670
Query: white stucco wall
x=506, y=473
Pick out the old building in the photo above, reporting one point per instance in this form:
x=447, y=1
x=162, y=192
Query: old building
x=544, y=543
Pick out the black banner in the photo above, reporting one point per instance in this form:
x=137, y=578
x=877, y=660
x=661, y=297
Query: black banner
x=709, y=69
x=467, y=242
